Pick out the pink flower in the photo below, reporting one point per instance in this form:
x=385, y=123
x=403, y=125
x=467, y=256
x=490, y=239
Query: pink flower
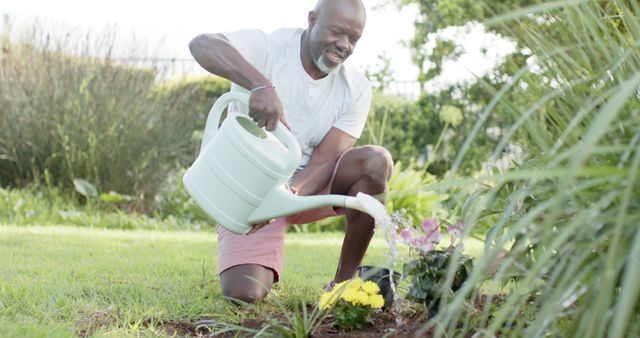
x=455, y=230
x=426, y=242
x=406, y=235
x=432, y=230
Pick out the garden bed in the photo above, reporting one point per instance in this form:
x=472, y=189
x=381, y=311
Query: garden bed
x=383, y=323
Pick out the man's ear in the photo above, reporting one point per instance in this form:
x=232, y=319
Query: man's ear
x=311, y=18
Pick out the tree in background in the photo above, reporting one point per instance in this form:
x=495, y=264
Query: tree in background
x=431, y=51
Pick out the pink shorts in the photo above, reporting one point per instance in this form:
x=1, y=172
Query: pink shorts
x=266, y=246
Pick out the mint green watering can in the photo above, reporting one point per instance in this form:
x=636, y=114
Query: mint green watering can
x=239, y=179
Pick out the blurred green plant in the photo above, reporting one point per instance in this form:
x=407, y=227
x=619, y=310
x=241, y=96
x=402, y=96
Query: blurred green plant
x=381, y=74
x=299, y=322
x=173, y=200
x=396, y=124
x=569, y=214
x=406, y=196
x=80, y=113
x=427, y=269
x=40, y=204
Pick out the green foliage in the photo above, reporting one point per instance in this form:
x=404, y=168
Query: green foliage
x=436, y=15
x=427, y=275
x=569, y=213
x=382, y=75
x=395, y=124
x=85, y=188
x=407, y=129
x=406, y=195
x=76, y=116
x=351, y=317
x=36, y=205
x=431, y=51
x=205, y=91
x=173, y=200
x=299, y=323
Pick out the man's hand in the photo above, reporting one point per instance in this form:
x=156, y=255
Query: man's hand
x=265, y=108
x=259, y=226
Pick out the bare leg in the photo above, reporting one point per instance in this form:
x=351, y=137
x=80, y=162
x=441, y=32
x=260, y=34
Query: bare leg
x=364, y=169
x=239, y=282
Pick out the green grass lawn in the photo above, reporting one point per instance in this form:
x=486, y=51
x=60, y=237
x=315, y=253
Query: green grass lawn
x=66, y=281
x=63, y=281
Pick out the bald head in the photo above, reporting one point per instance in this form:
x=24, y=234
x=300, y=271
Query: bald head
x=353, y=7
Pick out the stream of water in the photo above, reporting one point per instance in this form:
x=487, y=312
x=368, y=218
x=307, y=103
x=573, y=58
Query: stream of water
x=389, y=224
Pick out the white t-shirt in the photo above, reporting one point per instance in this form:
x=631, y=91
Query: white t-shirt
x=311, y=107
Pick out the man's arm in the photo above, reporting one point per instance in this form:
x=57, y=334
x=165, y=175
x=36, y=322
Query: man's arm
x=218, y=56
x=317, y=173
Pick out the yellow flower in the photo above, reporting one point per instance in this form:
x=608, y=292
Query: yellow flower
x=451, y=115
x=362, y=298
x=370, y=287
x=340, y=285
x=355, y=292
x=376, y=301
x=355, y=283
x=349, y=296
x=327, y=300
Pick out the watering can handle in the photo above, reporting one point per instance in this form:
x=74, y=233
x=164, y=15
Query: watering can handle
x=281, y=132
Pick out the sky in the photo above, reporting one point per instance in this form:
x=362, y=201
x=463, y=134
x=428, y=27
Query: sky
x=172, y=24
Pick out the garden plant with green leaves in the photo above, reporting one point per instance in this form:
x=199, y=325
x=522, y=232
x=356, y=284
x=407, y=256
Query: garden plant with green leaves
x=568, y=214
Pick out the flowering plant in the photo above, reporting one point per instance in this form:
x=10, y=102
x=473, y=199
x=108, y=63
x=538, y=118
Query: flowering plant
x=351, y=302
x=451, y=115
x=427, y=272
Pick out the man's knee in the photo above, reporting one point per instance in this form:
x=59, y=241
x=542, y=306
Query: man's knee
x=244, y=295
x=378, y=166
x=246, y=283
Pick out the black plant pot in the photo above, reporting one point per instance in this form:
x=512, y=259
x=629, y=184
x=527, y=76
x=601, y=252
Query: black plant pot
x=380, y=276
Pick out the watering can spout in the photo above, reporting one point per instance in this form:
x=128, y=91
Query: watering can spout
x=282, y=202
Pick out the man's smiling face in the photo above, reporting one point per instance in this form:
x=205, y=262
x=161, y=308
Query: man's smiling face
x=334, y=31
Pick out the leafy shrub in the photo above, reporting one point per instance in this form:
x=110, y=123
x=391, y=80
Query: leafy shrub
x=41, y=205
x=173, y=200
x=569, y=214
x=75, y=115
x=396, y=124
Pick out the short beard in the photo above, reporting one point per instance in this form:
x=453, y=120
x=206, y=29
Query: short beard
x=319, y=62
